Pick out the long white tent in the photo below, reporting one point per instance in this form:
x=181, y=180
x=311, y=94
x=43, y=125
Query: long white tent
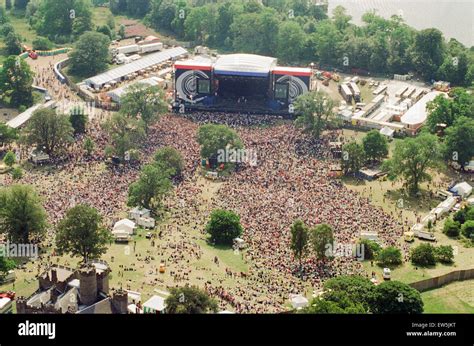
x=118, y=73
x=23, y=118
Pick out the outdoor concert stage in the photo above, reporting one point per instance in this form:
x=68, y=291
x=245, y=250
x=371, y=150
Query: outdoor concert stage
x=238, y=83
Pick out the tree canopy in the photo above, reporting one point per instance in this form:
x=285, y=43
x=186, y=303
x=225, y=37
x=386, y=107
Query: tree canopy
x=224, y=226
x=21, y=213
x=49, y=131
x=412, y=158
x=189, y=300
x=80, y=233
x=90, y=55
x=16, y=79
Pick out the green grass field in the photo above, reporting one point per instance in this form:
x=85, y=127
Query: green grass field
x=457, y=297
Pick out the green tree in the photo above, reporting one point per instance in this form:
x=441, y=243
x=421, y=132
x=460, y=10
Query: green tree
x=290, y=42
x=121, y=31
x=423, y=255
x=90, y=55
x=80, y=233
x=88, y=146
x=322, y=240
x=21, y=213
x=199, y=25
x=49, y=131
x=16, y=79
x=7, y=134
x=370, y=249
x=151, y=187
x=467, y=229
x=13, y=43
x=299, y=240
x=9, y=159
x=145, y=101
x=412, y=158
x=256, y=32
x=353, y=157
x=105, y=29
x=42, y=43
x=78, y=119
x=338, y=303
x=224, y=226
x=428, y=52
x=389, y=256
x=395, y=297
x=316, y=112
x=189, y=300
x=214, y=138
x=358, y=288
x=6, y=264
x=444, y=254
x=459, y=141
x=452, y=228
x=17, y=173
x=375, y=146
x=341, y=18
x=171, y=159
x=64, y=18
x=125, y=134
x=21, y=4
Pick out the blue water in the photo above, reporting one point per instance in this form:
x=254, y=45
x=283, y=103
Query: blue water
x=454, y=18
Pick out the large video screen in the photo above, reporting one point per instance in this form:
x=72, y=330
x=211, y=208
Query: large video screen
x=281, y=91
x=204, y=86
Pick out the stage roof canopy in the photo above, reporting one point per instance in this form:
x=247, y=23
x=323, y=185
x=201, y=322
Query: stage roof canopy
x=244, y=65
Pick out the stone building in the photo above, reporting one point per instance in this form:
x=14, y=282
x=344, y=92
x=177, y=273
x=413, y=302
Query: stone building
x=85, y=290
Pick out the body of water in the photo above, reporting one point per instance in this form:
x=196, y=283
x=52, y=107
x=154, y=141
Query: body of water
x=454, y=18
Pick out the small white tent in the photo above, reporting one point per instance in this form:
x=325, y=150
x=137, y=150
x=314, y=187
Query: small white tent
x=137, y=213
x=462, y=189
x=155, y=304
x=298, y=301
x=124, y=225
x=387, y=131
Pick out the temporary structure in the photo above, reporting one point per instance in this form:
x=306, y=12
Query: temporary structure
x=298, y=301
x=137, y=213
x=154, y=305
x=462, y=189
x=125, y=225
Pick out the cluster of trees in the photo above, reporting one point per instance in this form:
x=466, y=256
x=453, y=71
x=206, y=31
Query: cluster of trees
x=81, y=233
x=412, y=158
x=190, y=300
x=49, y=131
x=223, y=227
x=427, y=255
x=7, y=32
x=300, y=31
x=214, y=138
x=320, y=239
x=155, y=179
x=22, y=216
x=357, y=295
x=90, y=55
x=16, y=79
x=457, y=114
x=59, y=21
x=373, y=149
x=461, y=223
x=142, y=106
x=315, y=111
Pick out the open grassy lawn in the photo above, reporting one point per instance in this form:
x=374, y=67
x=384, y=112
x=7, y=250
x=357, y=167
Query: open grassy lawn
x=457, y=297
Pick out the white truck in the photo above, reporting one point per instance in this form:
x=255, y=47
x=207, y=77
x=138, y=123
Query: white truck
x=6, y=306
x=152, y=47
x=133, y=48
x=425, y=235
